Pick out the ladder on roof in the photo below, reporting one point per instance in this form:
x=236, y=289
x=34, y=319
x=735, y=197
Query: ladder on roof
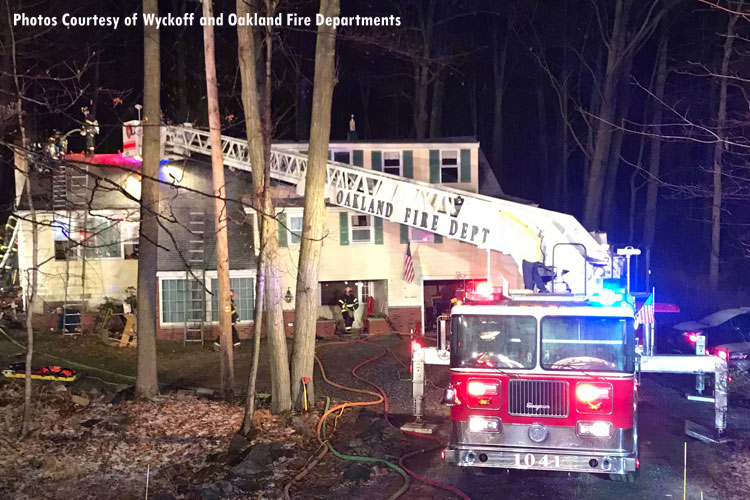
x=195, y=279
x=473, y=218
x=70, y=197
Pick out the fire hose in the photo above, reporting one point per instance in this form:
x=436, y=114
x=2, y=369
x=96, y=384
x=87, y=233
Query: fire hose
x=381, y=398
x=327, y=446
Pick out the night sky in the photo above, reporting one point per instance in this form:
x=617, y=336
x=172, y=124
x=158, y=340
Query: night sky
x=546, y=46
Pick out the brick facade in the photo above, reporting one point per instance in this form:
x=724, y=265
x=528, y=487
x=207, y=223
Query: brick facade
x=405, y=318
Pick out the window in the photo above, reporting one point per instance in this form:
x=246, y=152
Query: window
x=244, y=288
x=67, y=237
x=295, y=229
x=587, y=343
x=392, y=162
x=342, y=156
x=493, y=342
x=449, y=166
x=102, y=238
x=361, y=228
x=173, y=301
x=420, y=235
x=129, y=236
x=332, y=291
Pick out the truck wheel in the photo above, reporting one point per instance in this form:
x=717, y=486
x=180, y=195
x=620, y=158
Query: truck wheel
x=630, y=477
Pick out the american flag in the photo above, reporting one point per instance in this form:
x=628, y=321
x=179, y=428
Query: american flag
x=408, y=265
x=645, y=315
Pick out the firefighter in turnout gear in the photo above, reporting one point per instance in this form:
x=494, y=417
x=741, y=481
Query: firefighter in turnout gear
x=348, y=304
x=235, y=319
x=90, y=130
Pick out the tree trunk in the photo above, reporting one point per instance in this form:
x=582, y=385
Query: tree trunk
x=146, y=381
x=499, y=59
x=544, y=168
x=183, y=109
x=713, y=268
x=605, y=118
x=248, y=422
x=436, y=113
x=422, y=87
x=649, y=223
x=280, y=399
x=30, y=303
x=313, y=220
x=220, y=209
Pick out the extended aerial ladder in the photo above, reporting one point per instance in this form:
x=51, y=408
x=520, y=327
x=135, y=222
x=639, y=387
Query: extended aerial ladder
x=579, y=259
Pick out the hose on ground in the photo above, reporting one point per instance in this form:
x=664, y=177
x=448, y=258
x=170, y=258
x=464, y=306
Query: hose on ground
x=401, y=461
x=329, y=447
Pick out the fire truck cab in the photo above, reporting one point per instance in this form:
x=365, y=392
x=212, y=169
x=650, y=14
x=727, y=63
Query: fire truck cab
x=544, y=382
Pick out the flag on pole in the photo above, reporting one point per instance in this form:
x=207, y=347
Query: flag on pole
x=645, y=315
x=408, y=265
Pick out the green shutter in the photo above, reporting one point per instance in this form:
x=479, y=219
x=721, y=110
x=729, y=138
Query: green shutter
x=438, y=238
x=330, y=156
x=376, y=158
x=404, y=234
x=358, y=158
x=281, y=219
x=378, y=230
x=434, y=166
x=466, y=165
x=408, y=166
x=343, y=228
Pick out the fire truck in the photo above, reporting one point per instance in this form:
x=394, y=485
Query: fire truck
x=543, y=382
x=547, y=381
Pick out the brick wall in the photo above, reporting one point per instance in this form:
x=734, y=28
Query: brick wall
x=406, y=318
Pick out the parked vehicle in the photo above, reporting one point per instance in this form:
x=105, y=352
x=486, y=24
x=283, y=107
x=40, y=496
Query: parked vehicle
x=727, y=335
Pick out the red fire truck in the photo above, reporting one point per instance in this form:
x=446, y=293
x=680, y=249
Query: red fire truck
x=543, y=382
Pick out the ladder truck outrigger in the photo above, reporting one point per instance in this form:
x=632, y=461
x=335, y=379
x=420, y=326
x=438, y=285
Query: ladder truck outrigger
x=548, y=381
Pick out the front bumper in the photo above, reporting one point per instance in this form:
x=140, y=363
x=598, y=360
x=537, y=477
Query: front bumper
x=540, y=459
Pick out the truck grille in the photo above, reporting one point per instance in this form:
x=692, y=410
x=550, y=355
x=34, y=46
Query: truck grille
x=538, y=398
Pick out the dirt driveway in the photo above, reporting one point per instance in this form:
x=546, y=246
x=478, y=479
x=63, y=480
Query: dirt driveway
x=720, y=471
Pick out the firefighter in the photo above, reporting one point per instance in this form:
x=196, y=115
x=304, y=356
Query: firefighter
x=55, y=146
x=235, y=319
x=90, y=130
x=348, y=304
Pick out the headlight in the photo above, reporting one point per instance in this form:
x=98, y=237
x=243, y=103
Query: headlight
x=484, y=424
x=594, y=429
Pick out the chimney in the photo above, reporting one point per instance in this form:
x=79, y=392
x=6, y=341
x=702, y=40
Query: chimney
x=352, y=135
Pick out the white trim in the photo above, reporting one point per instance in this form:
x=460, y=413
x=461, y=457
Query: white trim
x=342, y=149
x=371, y=226
x=457, y=167
x=400, y=161
x=180, y=275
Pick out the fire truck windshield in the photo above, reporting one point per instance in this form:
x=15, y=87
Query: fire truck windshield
x=493, y=342
x=587, y=344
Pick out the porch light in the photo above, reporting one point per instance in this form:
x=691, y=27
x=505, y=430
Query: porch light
x=288, y=296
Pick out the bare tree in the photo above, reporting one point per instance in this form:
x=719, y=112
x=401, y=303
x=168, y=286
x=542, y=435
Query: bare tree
x=147, y=378
x=220, y=208
x=713, y=269
x=258, y=136
x=313, y=219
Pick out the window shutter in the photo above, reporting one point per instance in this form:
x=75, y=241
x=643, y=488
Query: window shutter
x=358, y=158
x=343, y=228
x=438, y=238
x=376, y=158
x=281, y=219
x=329, y=154
x=404, y=233
x=408, y=167
x=435, y=166
x=378, y=230
x=465, y=165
